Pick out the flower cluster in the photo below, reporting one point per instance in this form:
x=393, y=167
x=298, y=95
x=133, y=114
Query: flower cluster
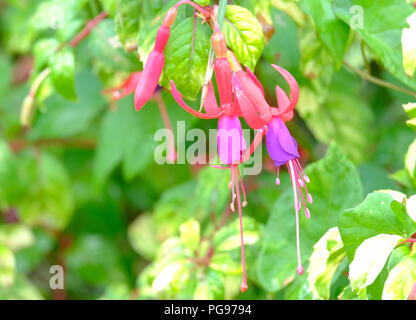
x=241, y=95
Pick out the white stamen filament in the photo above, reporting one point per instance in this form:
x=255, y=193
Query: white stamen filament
x=294, y=185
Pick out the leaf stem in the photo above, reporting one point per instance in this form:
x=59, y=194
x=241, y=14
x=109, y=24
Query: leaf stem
x=379, y=82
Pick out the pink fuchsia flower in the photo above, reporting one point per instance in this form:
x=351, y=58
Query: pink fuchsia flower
x=156, y=60
x=286, y=106
x=251, y=87
x=155, y=63
x=231, y=143
x=283, y=149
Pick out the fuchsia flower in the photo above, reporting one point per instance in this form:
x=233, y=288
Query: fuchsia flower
x=282, y=147
x=156, y=60
x=231, y=143
x=155, y=63
x=241, y=95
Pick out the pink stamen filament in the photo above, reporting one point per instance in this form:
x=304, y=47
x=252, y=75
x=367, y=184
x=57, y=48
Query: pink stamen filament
x=304, y=182
x=242, y=187
x=243, y=286
x=294, y=185
x=307, y=213
x=306, y=178
x=233, y=189
x=277, y=178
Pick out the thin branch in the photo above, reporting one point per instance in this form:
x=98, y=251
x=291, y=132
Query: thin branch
x=20, y=144
x=367, y=64
x=378, y=81
x=87, y=29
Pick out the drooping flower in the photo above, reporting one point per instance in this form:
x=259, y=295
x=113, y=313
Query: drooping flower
x=283, y=149
x=155, y=63
x=230, y=140
x=251, y=87
x=156, y=60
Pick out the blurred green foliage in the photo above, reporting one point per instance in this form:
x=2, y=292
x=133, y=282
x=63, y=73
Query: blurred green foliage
x=80, y=187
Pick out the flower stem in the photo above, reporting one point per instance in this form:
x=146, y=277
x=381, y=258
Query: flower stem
x=378, y=81
x=87, y=29
x=210, y=67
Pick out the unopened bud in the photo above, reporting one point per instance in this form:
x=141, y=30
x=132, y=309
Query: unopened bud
x=28, y=111
x=219, y=44
x=170, y=17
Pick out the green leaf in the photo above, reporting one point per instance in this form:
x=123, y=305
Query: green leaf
x=7, y=267
x=66, y=17
x=126, y=136
x=325, y=114
x=142, y=235
x=244, y=35
x=203, y=3
x=103, y=48
x=411, y=207
x=64, y=118
x=324, y=262
x=370, y=258
x=372, y=217
x=22, y=289
x=187, y=57
x=43, y=51
x=29, y=258
x=333, y=32
x=328, y=177
x=110, y=6
x=190, y=234
x=94, y=260
x=381, y=29
x=210, y=288
x=48, y=201
x=228, y=238
x=349, y=294
x=409, y=46
x=212, y=189
x=410, y=109
x=398, y=255
x=401, y=280
x=410, y=160
x=63, y=73
x=16, y=236
x=127, y=22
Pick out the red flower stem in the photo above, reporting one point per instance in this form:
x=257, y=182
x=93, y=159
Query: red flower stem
x=204, y=12
x=88, y=28
x=243, y=286
x=168, y=125
x=406, y=241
